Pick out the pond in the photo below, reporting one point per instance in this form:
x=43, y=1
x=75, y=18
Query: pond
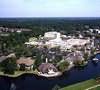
x=33, y=82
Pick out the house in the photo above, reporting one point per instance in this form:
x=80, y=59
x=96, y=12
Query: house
x=47, y=68
x=74, y=56
x=26, y=62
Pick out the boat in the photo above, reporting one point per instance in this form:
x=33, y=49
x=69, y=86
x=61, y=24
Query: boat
x=95, y=60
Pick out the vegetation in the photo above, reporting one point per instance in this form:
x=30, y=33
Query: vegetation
x=63, y=66
x=23, y=51
x=86, y=56
x=9, y=66
x=40, y=25
x=79, y=63
x=18, y=73
x=56, y=87
x=96, y=88
x=82, y=85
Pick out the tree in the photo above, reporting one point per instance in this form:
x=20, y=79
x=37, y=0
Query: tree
x=22, y=67
x=38, y=60
x=63, y=66
x=56, y=87
x=23, y=51
x=9, y=66
x=86, y=56
x=79, y=62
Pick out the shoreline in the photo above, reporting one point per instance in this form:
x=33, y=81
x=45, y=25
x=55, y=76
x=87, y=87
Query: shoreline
x=20, y=73
x=16, y=75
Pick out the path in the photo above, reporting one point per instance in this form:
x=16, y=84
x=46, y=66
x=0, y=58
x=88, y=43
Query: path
x=92, y=87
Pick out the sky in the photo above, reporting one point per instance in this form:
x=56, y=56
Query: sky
x=49, y=8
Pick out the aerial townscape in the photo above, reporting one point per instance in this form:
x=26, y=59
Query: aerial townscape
x=54, y=52
x=49, y=44
x=61, y=52
x=49, y=53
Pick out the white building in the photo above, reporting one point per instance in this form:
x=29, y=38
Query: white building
x=53, y=39
x=97, y=30
x=52, y=35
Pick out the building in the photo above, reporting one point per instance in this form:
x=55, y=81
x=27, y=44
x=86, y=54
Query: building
x=26, y=62
x=54, y=39
x=64, y=44
x=74, y=56
x=47, y=68
x=52, y=35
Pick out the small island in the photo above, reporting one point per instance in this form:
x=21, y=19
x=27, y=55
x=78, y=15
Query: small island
x=47, y=55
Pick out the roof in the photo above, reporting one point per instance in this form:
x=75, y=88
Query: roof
x=2, y=58
x=44, y=67
x=27, y=61
x=75, y=56
x=77, y=42
x=51, y=35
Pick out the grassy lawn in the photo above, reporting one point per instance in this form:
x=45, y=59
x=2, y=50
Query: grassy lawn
x=18, y=73
x=97, y=88
x=82, y=85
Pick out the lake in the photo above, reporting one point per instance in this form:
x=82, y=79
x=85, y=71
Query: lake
x=33, y=82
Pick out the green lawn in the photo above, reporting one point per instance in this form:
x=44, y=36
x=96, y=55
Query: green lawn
x=97, y=88
x=18, y=73
x=82, y=85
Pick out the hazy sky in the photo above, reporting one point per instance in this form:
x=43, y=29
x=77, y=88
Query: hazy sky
x=49, y=8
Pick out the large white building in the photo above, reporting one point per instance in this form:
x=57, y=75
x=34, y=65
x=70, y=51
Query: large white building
x=53, y=39
x=52, y=35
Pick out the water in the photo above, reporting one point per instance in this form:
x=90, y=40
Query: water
x=98, y=56
x=33, y=82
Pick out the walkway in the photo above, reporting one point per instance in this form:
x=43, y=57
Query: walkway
x=92, y=87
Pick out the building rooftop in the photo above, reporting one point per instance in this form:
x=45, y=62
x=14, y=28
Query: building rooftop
x=45, y=67
x=27, y=61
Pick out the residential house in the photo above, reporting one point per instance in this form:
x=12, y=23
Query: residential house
x=27, y=62
x=47, y=68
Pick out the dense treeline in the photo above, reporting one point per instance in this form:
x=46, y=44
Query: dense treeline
x=40, y=25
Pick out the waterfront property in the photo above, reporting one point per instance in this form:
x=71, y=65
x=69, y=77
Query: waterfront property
x=25, y=63
x=75, y=50
x=74, y=56
x=57, y=48
x=33, y=82
x=48, y=70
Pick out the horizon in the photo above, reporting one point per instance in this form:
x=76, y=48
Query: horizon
x=48, y=17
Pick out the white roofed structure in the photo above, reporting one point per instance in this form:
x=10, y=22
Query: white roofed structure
x=53, y=39
x=52, y=35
